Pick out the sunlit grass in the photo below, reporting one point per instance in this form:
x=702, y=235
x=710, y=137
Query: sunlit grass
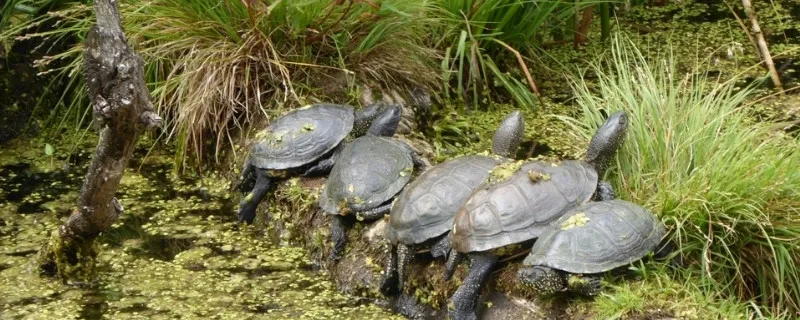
x=727, y=186
x=656, y=294
x=214, y=65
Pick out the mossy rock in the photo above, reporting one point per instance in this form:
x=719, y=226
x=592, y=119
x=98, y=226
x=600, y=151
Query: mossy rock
x=296, y=220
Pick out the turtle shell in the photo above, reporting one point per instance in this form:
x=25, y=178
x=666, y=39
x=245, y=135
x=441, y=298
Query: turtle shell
x=597, y=237
x=302, y=136
x=368, y=172
x=520, y=207
x=426, y=207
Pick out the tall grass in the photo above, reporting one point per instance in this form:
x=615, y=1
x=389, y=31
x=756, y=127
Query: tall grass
x=727, y=186
x=478, y=37
x=213, y=65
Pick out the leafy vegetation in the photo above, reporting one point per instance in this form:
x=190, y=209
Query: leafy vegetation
x=477, y=33
x=726, y=185
x=212, y=65
x=215, y=65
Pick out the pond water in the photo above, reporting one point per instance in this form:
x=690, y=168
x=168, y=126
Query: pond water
x=175, y=252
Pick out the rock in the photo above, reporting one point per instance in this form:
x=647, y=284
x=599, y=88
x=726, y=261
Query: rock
x=498, y=306
x=416, y=106
x=421, y=147
x=374, y=234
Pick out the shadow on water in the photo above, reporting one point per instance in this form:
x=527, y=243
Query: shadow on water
x=32, y=189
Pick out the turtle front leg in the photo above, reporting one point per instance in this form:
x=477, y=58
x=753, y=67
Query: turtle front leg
x=666, y=248
x=465, y=299
x=588, y=285
x=247, y=207
x=374, y=213
x=338, y=236
x=389, y=287
x=604, y=191
x=247, y=180
x=442, y=247
x=542, y=280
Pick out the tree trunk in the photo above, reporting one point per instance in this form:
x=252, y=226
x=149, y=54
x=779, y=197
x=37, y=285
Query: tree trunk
x=122, y=109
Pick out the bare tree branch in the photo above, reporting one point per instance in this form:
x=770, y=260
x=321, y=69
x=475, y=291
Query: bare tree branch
x=762, y=44
x=121, y=106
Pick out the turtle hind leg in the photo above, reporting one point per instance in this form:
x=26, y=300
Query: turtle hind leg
x=588, y=285
x=404, y=257
x=452, y=262
x=324, y=166
x=465, y=299
x=338, y=236
x=390, y=286
x=442, y=247
x=248, y=205
x=542, y=280
x=374, y=213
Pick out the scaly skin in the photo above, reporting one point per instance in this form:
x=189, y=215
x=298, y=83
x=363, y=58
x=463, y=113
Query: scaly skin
x=465, y=299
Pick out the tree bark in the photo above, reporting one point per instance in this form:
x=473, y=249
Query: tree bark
x=122, y=108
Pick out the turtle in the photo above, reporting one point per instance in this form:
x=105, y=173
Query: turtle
x=369, y=172
x=587, y=241
x=517, y=202
x=302, y=141
x=423, y=213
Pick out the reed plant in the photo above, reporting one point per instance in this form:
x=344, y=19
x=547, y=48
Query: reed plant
x=486, y=42
x=727, y=185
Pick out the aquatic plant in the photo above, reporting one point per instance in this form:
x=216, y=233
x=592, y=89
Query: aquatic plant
x=725, y=184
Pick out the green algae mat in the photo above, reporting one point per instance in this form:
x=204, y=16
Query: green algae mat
x=175, y=252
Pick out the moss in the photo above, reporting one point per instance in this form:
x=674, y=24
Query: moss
x=576, y=280
x=575, y=221
x=504, y=171
x=72, y=259
x=537, y=176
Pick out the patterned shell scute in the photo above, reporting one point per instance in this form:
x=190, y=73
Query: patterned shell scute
x=426, y=207
x=302, y=136
x=611, y=234
x=519, y=209
x=369, y=171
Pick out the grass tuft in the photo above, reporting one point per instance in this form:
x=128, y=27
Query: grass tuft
x=726, y=185
x=478, y=38
x=213, y=66
x=657, y=295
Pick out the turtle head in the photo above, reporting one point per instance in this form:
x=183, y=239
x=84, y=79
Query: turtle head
x=606, y=141
x=386, y=123
x=365, y=117
x=541, y=280
x=508, y=135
